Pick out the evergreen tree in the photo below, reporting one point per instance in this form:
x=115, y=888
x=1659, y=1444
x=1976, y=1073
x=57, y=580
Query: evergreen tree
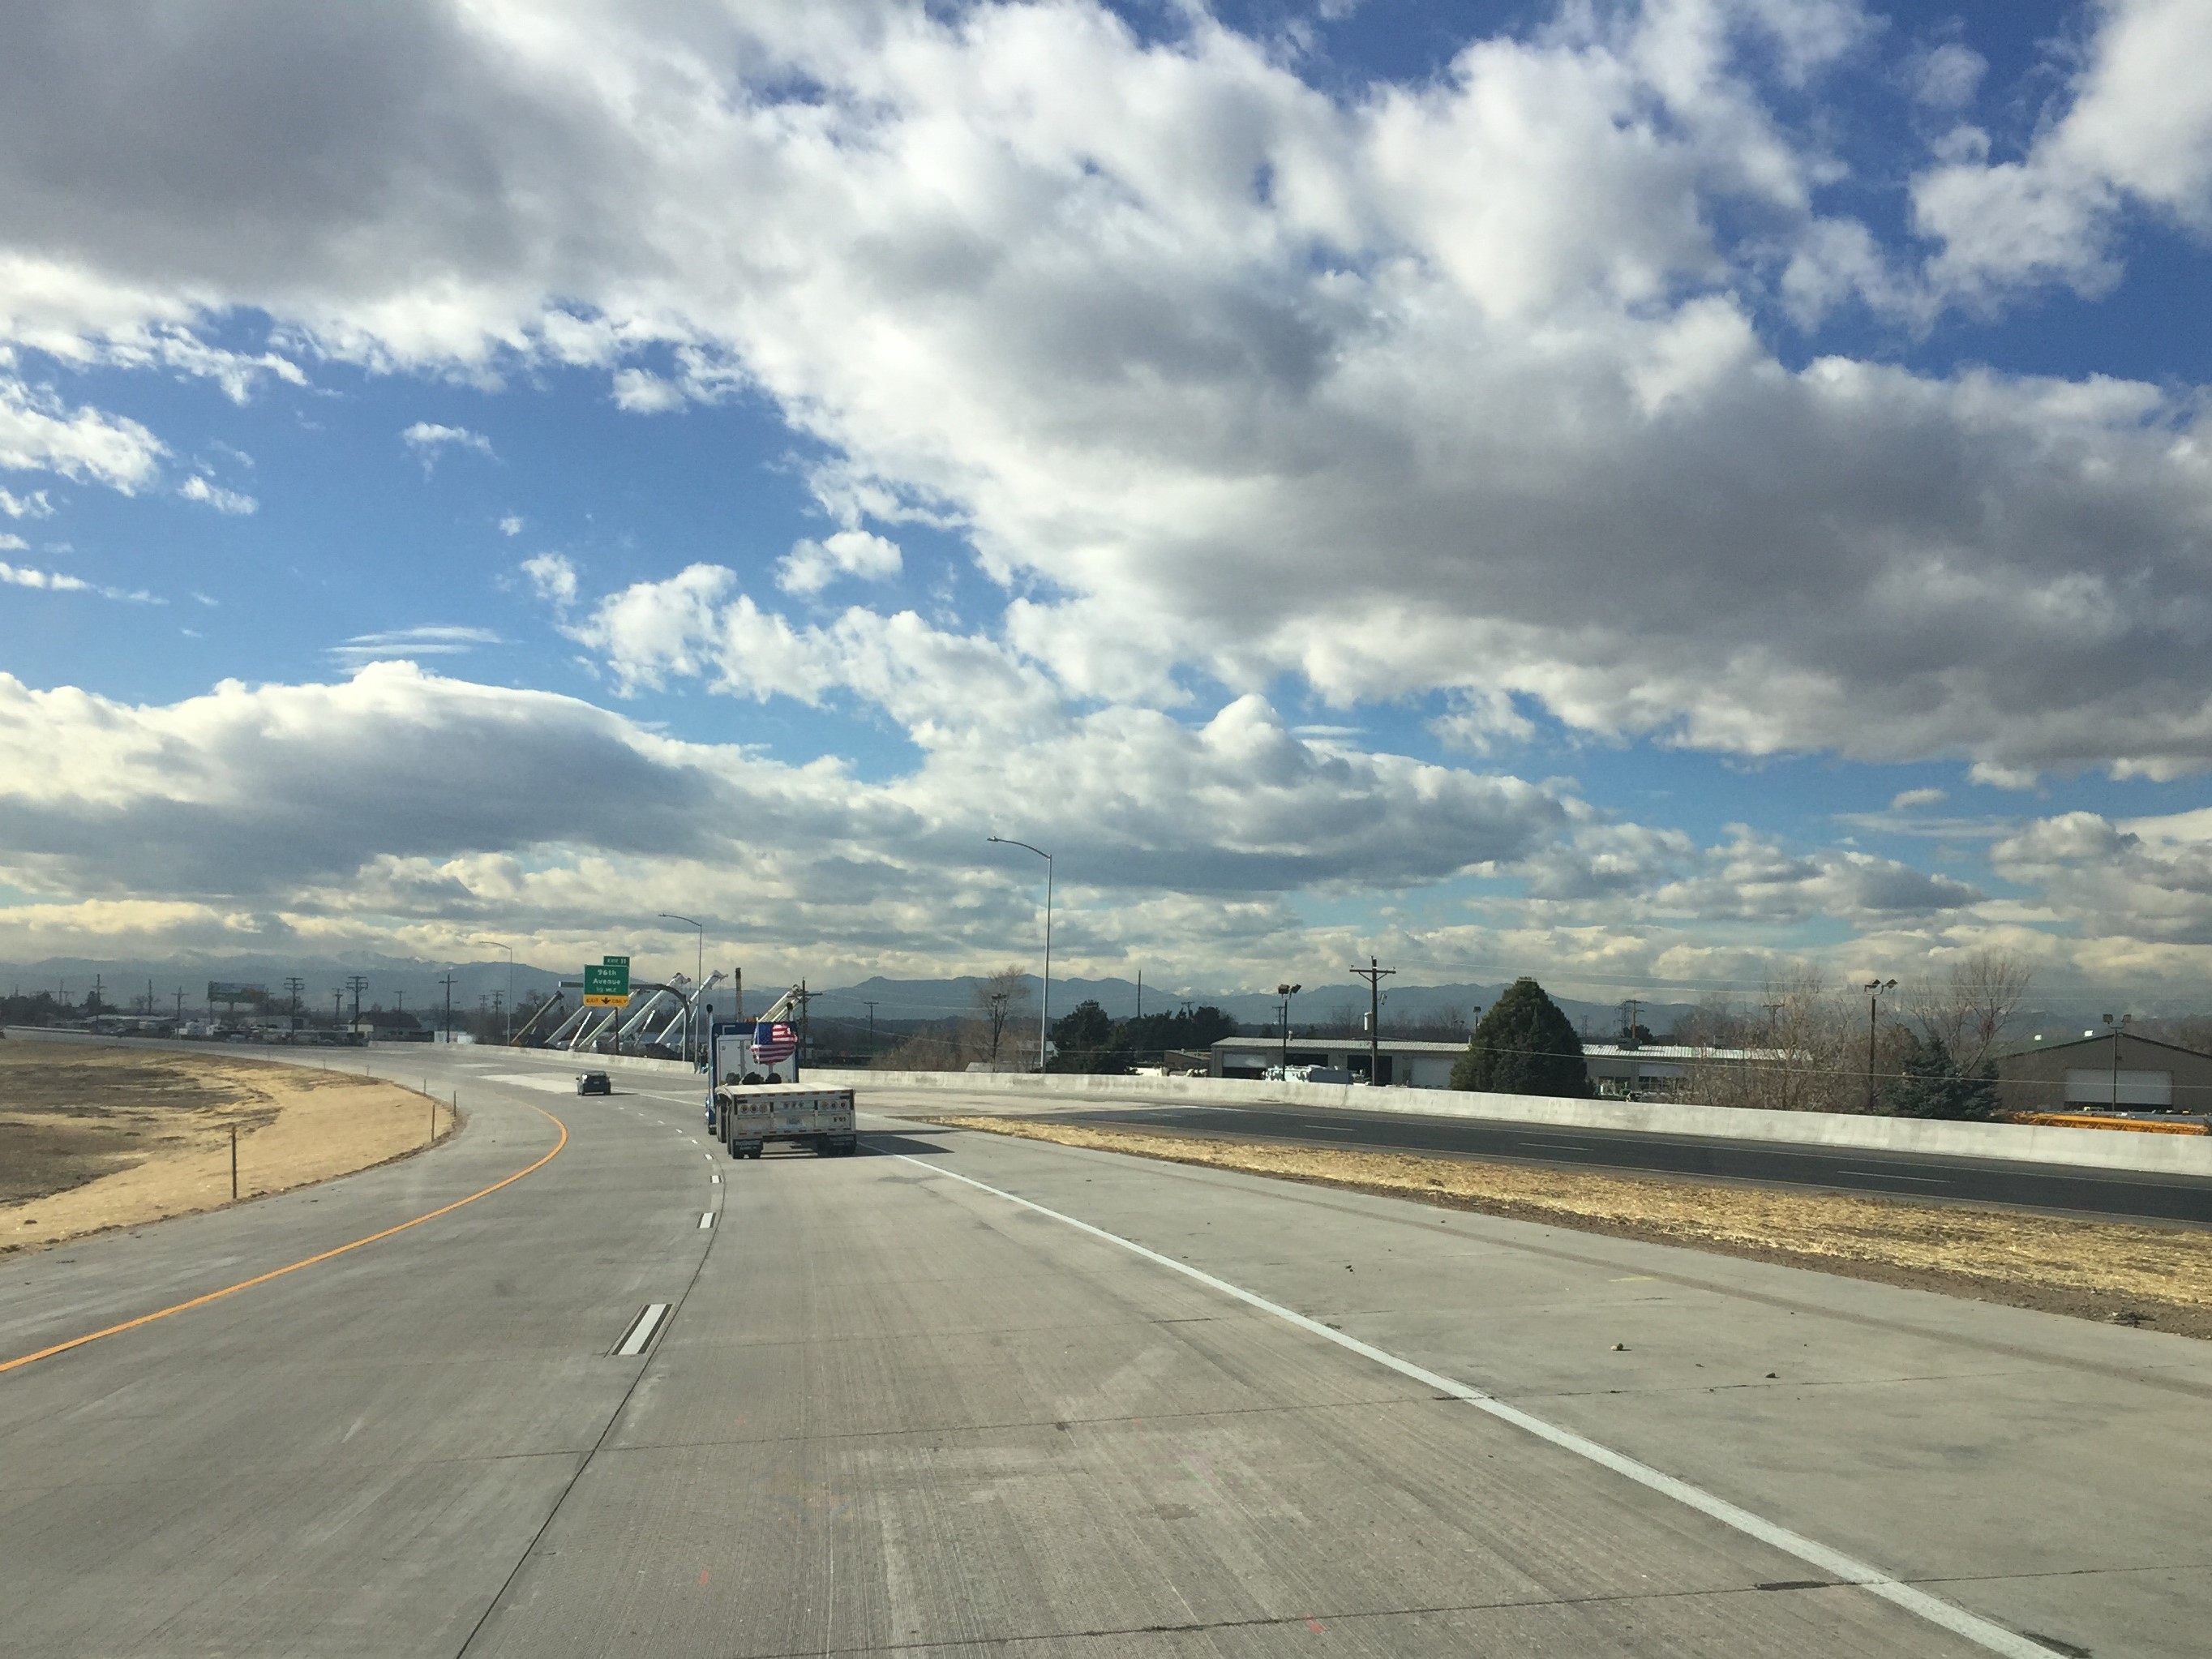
x=1523, y=1046
x=1930, y=1084
x=1088, y=1041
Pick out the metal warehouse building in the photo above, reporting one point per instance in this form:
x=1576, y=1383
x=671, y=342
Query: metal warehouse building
x=2117, y=1071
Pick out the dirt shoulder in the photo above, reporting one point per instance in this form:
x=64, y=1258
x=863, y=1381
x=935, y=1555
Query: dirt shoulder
x=2115, y=1272
x=92, y=1137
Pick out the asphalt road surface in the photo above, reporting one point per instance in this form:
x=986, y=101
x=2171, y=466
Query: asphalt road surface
x=968, y=1395
x=1991, y=1181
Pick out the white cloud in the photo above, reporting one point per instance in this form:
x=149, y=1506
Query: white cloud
x=20, y=576
x=40, y=433
x=552, y=577
x=1946, y=76
x=2138, y=130
x=812, y=566
x=511, y=526
x=199, y=489
x=430, y=640
x=12, y=544
x=55, y=581
x=643, y=393
x=428, y=440
x=1906, y=800
x=32, y=506
x=1462, y=386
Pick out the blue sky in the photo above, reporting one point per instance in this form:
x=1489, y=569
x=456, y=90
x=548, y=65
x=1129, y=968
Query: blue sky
x=1665, y=493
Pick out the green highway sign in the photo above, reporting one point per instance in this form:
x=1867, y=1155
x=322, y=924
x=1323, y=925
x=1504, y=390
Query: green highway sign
x=607, y=985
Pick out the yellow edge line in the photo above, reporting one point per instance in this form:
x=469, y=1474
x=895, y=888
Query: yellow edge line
x=278, y=1273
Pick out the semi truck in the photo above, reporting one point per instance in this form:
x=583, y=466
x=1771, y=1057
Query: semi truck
x=753, y=1095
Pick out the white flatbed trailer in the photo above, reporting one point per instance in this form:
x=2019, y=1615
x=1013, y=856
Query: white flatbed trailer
x=747, y=1116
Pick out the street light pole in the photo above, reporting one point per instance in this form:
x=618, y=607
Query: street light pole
x=1286, y=991
x=1875, y=988
x=1044, y=1000
x=698, y=975
x=506, y=1023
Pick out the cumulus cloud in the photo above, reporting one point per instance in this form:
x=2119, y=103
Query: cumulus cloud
x=232, y=501
x=511, y=524
x=1179, y=340
x=40, y=433
x=2138, y=129
x=812, y=566
x=428, y=440
x=403, y=800
x=552, y=578
x=32, y=506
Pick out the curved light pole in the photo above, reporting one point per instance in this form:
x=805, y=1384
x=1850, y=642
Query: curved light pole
x=1044, y=1000
x=506, y=1022
x=699, y=974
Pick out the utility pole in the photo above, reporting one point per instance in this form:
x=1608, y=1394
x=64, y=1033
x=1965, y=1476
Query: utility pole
x=1141, y=993
x=1874, y=987
x=181, y=1004
x=805, y=1021
x=871, y=1027
x=296, y=987
x=337, y=1008
x=448, y=983
x=1629, y=1010
x=356, y=984
x=2119, y=1025
x=1374, y=976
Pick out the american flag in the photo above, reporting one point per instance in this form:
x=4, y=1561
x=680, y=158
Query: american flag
x=773, y=1043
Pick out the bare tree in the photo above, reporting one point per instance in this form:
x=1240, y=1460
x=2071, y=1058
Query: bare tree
x=998, y=998
x=1967, y=1010
x=1805, y=1060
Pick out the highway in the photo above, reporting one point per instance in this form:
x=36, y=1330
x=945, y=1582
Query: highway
x=2120, y=1193
x=965, y=1394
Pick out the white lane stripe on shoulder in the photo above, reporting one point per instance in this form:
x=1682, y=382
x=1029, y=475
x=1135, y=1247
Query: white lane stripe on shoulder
x=641, y=1330
x=1948, y=1615
x=706, y=1221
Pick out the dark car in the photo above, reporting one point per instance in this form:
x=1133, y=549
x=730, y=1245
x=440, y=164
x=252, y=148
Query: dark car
x=595, y=1083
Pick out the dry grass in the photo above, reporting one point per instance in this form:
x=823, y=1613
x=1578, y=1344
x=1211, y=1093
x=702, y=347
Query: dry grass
x=92, y=1137
x=2107, y=1270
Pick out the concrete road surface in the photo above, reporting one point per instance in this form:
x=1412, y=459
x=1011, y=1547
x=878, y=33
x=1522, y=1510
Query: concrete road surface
x=969, y=1395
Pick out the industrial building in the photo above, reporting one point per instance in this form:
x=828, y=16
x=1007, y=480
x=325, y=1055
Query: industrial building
x=1649, y=1071
x=2109, y=1071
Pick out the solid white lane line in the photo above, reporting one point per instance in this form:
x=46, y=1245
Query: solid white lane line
x=717, y=1180
x=641, y=1330
x=1849, y=1569
x=706, y=1221
x=1884, y=1175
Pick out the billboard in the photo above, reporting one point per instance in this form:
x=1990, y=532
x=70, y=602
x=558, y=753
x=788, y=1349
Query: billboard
x=225, y=990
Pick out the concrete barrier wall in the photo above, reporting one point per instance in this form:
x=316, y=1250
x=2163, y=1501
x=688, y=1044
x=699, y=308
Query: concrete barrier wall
x=2093, y=1149
x=2099, y=1149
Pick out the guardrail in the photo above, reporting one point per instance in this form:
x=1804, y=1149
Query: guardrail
x=2017, y=1143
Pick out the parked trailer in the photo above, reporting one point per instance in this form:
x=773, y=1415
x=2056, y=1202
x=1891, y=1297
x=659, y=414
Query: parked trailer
x=747, y=1116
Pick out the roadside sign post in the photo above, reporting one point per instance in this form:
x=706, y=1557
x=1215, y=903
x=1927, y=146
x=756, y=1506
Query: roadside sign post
x=606, y=985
